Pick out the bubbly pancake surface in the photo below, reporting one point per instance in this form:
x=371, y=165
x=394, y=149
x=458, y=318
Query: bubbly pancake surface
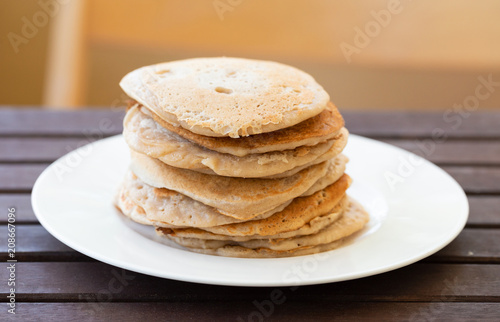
x=225, y=96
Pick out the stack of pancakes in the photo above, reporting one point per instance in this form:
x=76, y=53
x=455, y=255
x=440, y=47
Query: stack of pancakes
x=237, y=157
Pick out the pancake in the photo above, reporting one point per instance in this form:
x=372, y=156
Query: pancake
x=301, y=211
x=236, y=197
x=317, y=129
x=242, y=252
x=129, y=207
x=225, y=96
x=335, y=171
x=167, y=208
x=312, y=227
x=332, y=153
x=146, y=136
x=352, y=220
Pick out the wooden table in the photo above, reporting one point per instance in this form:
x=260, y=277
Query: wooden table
x=54, y=282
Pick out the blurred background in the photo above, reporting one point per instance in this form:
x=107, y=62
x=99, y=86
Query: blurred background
x=368, y=54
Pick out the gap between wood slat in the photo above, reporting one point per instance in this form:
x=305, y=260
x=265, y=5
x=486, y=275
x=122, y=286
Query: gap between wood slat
x=14, y=191
x=97, y=298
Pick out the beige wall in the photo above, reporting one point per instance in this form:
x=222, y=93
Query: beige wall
x=21, y=73
x=429, y=55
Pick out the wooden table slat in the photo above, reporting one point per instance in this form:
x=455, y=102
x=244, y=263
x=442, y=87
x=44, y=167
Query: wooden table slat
x=19, y=177
x=472, y=245
x=422, y=124
x=22, y=203
x=92, y=280
x=469, y=152
x=38, y=149
x=477, y=152
x=474, y=180
x=92, y=124
x=32, y=239
x=379, y=124
x=36, y=244
x=483, y=209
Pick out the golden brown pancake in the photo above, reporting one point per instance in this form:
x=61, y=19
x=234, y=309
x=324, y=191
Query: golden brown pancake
x=312, y=227
x=162, y=207
x=167, y=208
x=146, y=136
x=317, y=129
x=352, y=220
x=298, y=213
x=235, y=197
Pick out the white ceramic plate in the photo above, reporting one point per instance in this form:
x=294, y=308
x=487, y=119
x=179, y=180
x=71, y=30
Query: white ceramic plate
x=416, y=209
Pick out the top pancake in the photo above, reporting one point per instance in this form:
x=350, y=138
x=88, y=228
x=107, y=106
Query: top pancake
x=312, y=131
x=225, y=96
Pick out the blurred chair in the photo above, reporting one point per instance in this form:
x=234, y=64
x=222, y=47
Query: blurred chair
x=65, y=79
